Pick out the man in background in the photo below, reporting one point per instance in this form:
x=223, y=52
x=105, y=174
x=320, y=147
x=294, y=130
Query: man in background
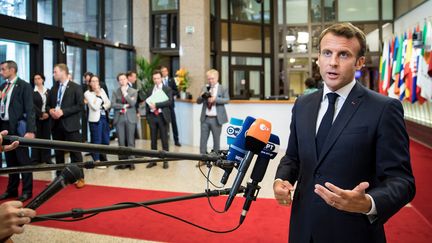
x=170, y=82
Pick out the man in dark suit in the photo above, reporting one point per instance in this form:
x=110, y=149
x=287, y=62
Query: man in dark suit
x=347, y=151
x=170, y=82
x=159, y=115
x=213, y=113
x=18, y=118
x=65, y=105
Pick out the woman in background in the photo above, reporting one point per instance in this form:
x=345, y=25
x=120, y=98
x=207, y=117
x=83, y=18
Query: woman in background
x=43, y=129
x=98, y=106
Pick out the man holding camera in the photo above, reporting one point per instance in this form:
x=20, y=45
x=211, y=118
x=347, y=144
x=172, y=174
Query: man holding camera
x=213, y=114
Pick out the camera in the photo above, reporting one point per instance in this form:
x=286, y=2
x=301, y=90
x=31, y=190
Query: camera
x=206, y=95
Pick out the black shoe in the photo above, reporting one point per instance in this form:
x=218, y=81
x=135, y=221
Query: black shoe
x=153, y=164
x=131, y=167
x=165, y=165
x=120, y=167
x=24, y=197
x=7, y=195
x=177, y=144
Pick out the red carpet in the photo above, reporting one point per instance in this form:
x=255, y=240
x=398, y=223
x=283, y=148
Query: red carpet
x=266, y=221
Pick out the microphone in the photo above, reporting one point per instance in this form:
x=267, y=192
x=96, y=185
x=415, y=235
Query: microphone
x=233, y=129
x=237, y=150
x=269, y=152
x=69, y=175
x=257, y=137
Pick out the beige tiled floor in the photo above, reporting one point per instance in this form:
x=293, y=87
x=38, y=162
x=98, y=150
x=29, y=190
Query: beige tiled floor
x=182, y=176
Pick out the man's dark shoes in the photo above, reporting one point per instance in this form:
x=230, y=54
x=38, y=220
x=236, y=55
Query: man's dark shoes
x=24, y=197
x=152, y=164
x=7, y=195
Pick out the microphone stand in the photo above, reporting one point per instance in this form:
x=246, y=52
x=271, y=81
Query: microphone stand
x=105, y=149
x=79, y=213
x=86, y=165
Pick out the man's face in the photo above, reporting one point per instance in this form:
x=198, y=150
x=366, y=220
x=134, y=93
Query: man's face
x=157, y=79
x=338, y=60
x=6, y=72
x=164, y=72
x=132, y=78
x=212, y=79
x=87, y=79
x=59, y=74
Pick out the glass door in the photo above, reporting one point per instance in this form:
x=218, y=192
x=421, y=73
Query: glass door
x=246, y=82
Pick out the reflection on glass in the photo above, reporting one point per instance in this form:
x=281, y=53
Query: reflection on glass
x=158, y=5
x=267, y=77
x=316, y=31
x=297, y=11
x=329, y=10
x=117, y=27
x=297, y=39
x=165, y=31
x=44, y=12
x=18, y=52
x=249, y=10
x=48, y=59
x=239, y=81
x=93, y=61
x=254, y=84
x=315, y=11
x=246, y=61
x=224, y=72
x=354, y=10
x=73, y=61
x=116, y=61
x=14, y=8
x=81, y=16
x=247, y=38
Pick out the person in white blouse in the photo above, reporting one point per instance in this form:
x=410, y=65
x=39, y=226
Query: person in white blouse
x=98, y=106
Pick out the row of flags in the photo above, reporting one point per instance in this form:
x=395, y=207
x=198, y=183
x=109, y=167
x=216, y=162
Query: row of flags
x=406, y=65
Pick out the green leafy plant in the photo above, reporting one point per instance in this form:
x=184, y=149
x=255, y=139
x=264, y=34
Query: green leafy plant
x=145, y=70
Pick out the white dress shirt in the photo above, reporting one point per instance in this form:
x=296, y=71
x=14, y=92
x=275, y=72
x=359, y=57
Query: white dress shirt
x=8, y=100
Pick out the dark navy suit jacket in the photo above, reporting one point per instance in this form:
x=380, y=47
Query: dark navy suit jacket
x=367, y=142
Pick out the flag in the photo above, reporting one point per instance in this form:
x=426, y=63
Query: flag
x=424, y=81
x=384, y=63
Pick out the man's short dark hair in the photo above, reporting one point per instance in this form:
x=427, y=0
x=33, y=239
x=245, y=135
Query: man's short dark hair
x=88, y=74
x=348, y=31
x=157, y=71
x=11, y=64
x=130, y=73
x=310, y=83
x=120, y=74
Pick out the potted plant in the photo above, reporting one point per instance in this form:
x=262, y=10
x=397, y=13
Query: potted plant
x=182, y=81
x=145, y=70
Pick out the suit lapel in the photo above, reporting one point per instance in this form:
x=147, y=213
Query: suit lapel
x=64, y=93
x=15, y=88
x=348, y=109
x=310, y=122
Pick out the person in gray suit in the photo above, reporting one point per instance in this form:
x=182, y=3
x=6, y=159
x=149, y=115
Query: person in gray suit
x=123, y=102
x=213, y=114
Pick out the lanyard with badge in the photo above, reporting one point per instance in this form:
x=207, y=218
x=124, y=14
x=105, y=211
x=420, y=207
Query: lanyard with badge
x=4, y=96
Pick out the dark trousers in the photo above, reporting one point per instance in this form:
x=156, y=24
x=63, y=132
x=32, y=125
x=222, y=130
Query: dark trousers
x=14, y=158
x=43, y=132
x=59, y=133
x=99, y=132
x=174, y=125
x=158, y=125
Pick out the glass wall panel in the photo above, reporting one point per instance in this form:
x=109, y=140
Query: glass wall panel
x=254, y=61
x=247, y=38
x=48, y=59
x=73, y=61
x=14, y=8
x=267, y=77
x=158, y=5
x=18, y=52
x=117, y=26
x=354, y=10
x=224, y=72
x=45, y=11
x=249, y=10
x=316, y=31
x=329, y=10
x=297, y=39
x=387, y=10
x=254, y=84
x=165, y=31
x=297, y=11
x=315, y=11
x=81, y=16
x=93, y=61
x=116, y=61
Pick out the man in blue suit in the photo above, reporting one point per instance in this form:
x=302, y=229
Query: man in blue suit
x=348, y=151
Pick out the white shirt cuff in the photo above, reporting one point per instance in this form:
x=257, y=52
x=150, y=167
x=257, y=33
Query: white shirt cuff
x=373, y=210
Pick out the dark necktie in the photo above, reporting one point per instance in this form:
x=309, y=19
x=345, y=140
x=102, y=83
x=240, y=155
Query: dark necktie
x=326, y=122
x=59, y=95
x=210, y=104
